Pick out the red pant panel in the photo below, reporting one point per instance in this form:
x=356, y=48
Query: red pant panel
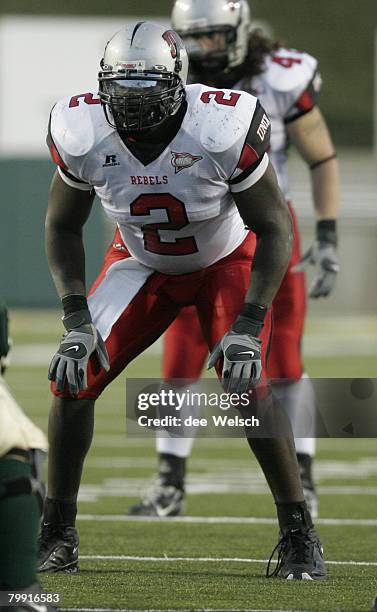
x=285, y=359
x=185, y=349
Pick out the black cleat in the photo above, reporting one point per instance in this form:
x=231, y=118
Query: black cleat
x=300, y=556
x=374, y=609
x=310, y=495
x=161, y=500
x=58, y=549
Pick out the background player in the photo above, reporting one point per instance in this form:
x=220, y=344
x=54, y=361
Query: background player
x=21, y=447
x=182, y=224
x=224, y=52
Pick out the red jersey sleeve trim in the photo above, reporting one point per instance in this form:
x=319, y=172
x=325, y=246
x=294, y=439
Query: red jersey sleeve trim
x=248, y=157
x=56, y=156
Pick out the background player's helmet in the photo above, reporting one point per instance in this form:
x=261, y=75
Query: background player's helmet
x=215, y=32
x=143, y=76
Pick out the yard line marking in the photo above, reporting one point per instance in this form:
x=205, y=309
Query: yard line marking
x=207, y=559
x=226, y=484
x=215, y=520
x=335, y=445
x=174, y=610
x=243, y=472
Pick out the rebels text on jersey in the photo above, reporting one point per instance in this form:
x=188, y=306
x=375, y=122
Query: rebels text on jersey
x=176, y=214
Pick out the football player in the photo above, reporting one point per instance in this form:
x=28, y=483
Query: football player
x=21, y=493
x=224, y=52
x=182, y=171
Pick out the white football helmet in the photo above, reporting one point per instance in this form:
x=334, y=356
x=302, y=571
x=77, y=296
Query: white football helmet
x=195, y=19
x=143, y=76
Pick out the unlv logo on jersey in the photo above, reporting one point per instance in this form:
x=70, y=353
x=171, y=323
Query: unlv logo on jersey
x=263, y=127
x=180, y=161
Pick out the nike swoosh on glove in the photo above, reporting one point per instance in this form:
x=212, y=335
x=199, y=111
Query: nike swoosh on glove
x=70, y=362
x=242, y=364
x=323, y=255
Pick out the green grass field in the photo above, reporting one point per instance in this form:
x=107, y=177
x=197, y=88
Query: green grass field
x=195, y=563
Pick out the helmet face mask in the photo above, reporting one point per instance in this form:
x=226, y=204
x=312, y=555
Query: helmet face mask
x=139, y=102
x=142, y=78
x=209, y=49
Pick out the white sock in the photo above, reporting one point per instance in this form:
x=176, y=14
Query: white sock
x=180, y=446
x=298, y=401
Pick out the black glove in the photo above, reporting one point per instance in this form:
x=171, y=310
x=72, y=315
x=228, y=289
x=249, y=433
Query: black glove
x=70, y=362
x=323, y=255
x=240, y=349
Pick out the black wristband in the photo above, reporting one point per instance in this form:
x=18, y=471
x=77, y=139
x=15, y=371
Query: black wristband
x=74, y=302
x=326, y=231
x=254, y=311
x=76, y=311
x=250, y=320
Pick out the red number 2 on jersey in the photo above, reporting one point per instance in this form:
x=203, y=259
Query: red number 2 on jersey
x=87, y=97
x=176, y=213
x=220, y=97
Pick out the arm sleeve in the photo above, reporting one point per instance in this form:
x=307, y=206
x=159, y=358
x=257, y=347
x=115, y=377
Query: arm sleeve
x=253, y=160
x=65, y=173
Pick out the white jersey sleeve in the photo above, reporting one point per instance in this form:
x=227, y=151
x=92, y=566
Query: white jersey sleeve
x=294, y=79
x=236, y=133
x=72, y=133
x=253, y=160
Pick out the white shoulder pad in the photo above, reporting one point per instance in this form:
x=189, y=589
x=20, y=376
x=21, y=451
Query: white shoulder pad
x=77, y=124
x=289, y=70
x=222, y=117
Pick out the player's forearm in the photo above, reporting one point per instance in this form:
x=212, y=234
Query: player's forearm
x=312, y=138
x=270, y=263
x=326, y=190
x=66, y=260
x=264, y=210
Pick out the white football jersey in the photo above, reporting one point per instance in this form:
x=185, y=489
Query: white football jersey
x=176, y=214
x=287, y=88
